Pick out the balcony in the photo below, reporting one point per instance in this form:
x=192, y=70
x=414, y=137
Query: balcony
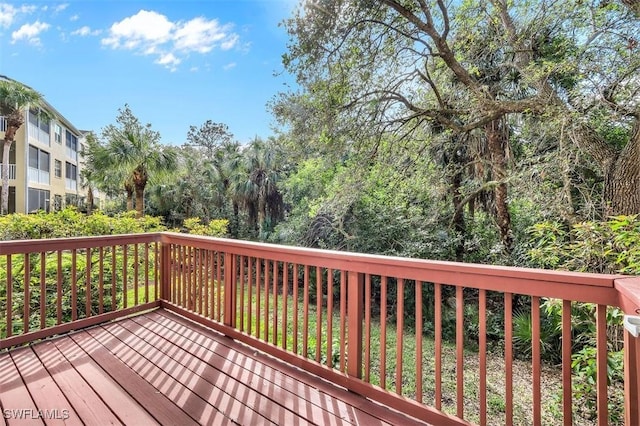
x=71, y=184
x=12, y=171
x=39, y=176
x=180, y=329
x=39, y=134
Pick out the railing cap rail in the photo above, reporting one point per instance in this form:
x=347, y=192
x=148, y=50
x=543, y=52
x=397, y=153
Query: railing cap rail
x=268, y=250
x=70, y=243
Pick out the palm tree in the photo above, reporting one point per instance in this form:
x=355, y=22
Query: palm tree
x=260, y=193
x=139, y=158
x=15, y=97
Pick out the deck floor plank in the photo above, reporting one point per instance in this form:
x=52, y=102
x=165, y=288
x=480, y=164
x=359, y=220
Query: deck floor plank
x=158, y=405
x=184, y=387
x=323, y=409
x=124, y=406
x=51, y=402
x=247, y=406
x=212, y=366
x=161, y=368
x=360, y=410
x=87, y=404
x=14, y=394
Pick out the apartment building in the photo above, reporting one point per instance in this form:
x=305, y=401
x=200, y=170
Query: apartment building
x=45, y=162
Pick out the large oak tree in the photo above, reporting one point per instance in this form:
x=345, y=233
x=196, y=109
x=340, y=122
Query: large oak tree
x=462, y=71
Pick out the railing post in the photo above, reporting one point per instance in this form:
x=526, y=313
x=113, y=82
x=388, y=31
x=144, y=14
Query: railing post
x=631, y=379
x=165, y=269
x=229, y=290
x=355, y=311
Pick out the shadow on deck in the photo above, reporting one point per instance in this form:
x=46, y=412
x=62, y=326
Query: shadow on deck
x=159, y=367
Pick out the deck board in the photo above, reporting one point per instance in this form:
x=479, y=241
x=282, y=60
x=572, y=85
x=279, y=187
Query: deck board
x=43, y=389
x=123, y=405
x=151, y=398
x=255, y=375
x=160, y=368
x=14, y=394
x=89, y=407
x=264, y=376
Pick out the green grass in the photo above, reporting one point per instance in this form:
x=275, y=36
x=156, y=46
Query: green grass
x=131, y=296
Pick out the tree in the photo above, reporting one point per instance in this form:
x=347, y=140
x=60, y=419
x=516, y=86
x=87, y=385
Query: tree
x=15, y=97
x=259, y=188
x=414, y=69
x=210, y=136
x=133, y=152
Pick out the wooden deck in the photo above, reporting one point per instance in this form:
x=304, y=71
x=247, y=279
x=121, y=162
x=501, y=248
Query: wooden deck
x=159, y=368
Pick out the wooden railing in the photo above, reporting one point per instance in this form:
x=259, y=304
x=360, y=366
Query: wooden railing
x=394, y=330
x=54, y=286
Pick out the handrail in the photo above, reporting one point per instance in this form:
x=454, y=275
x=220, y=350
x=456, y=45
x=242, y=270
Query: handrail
x=68, y=243
x=315, y=309
x=585, y=287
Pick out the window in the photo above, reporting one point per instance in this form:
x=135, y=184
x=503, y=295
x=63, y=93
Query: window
x=12, y=154
x=58, y=168
x=38, y=165
x=39, y=127
x=72, y=145
x=38, y=199
x=58, y=133
x=71, y=175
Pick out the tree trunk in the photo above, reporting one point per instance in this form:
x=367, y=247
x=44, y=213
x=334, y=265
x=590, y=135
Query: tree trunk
x=139, y=200
x=458, y=215
x=236, y=220
x=89, y=200
x=129, y=189
x=621, y=169
x=497, y=139
x=4, y=195
x=622, y=179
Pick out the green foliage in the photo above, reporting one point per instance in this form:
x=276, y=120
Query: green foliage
x=598, y=246
x=71, y=223
x=584, y=368
x=609, y=246
x=215, y=228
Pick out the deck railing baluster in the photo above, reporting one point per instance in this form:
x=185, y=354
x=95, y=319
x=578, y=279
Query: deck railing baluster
x=213, y=280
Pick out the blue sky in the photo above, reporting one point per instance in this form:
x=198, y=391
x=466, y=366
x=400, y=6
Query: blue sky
x=176, y=63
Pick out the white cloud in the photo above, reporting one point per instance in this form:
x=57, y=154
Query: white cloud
x=142, y=29
x=28, y=8
x=200, y=35
x=85, y=31
x=74, y=18
x=168, y=59
x=151, y=33
x=194, y=69
x=61, y=7
x=8, y=13
x=30, y=32
x=230, y=42
x=229, y=66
